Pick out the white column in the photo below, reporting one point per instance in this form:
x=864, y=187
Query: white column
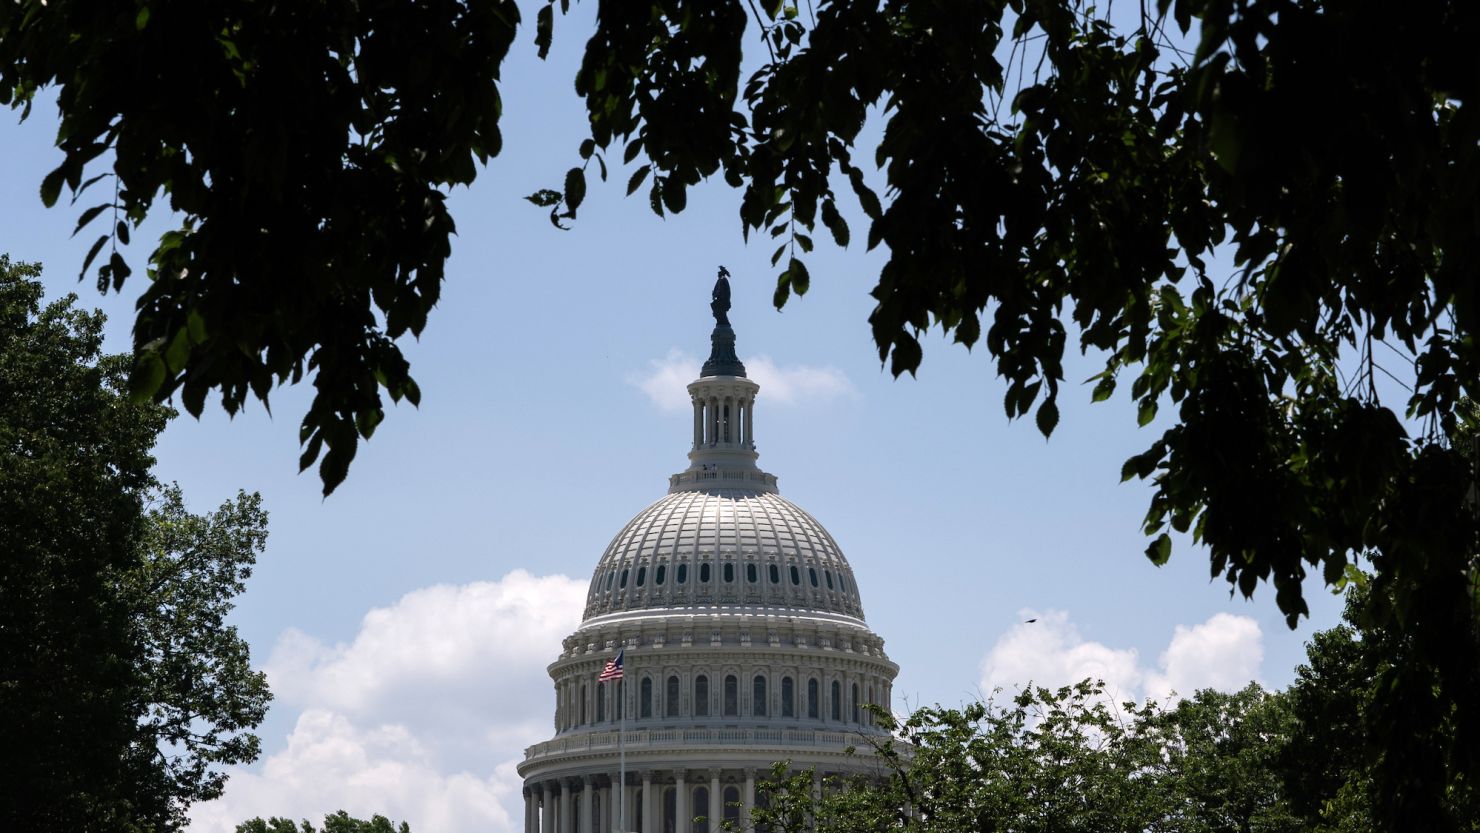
x=750, y=422
x=716, y=802
x=698, y=423
x=567, y=814
x=682, y=818
x=714, y=420
x=529, y=811
x=547, y=810
x=647, y=803
x=610, y=797
x=747, y=799
x=588, y=814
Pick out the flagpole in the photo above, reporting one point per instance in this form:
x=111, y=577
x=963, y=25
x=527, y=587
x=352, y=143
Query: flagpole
x=622, y=751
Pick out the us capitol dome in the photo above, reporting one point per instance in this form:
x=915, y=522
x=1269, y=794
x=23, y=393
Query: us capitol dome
x=743, y=641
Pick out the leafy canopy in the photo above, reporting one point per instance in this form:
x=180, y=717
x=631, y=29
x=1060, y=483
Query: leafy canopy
x=1050, y=176
x=124, y=691
x=340, y=822
x=1059, y=759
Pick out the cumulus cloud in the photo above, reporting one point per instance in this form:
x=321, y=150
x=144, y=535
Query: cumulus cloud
x=666, y=380
x=422, y=716
x=1223, y=653
x=797, y=383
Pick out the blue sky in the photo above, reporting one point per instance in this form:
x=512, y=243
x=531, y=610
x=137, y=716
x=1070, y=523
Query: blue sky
x=539, y=436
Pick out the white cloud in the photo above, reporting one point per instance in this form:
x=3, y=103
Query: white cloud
x=422, y=717
x=1223, y=653
x=666, y=380
x=797, y=383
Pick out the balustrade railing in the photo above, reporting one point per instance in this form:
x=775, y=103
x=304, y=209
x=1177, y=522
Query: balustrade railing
x=657, y=738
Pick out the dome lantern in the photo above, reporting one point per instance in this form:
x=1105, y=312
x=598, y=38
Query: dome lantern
x=723, y=447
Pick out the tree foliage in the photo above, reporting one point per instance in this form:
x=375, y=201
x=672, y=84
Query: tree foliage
x=1050, y=176
x=1346, y=710
x=1056, y=760
x=340, y=822
x=122, y=687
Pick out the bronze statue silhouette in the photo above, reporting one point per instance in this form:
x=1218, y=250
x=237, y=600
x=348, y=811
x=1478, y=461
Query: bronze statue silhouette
x=719, y=299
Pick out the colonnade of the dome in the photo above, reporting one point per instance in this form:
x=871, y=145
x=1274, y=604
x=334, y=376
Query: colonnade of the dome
x=681, y=800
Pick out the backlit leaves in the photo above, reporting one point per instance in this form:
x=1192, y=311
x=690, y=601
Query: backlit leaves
x=307, y=153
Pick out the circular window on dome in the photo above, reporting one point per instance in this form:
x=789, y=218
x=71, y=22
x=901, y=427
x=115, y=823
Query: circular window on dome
x=683, y=574
x=703, y=573
x=641, y=574
x=750, y=573
x=729, y=572
x=827, y=574
x=775, y=574
x=623, y=583
x=796, y=576
x=811, y=574
x=610, y=577
x=660, y=575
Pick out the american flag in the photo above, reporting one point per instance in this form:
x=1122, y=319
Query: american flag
x=613, y=668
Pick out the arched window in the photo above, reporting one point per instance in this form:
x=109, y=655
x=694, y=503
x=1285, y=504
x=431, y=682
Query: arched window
x=731, y=811
x=645, y=697
x=641, y=574
x=662, y=573
x=775, y=574
x=600, y=703
x=610, y=577
x=670, y=702
x=701, y=696
x=701, y=808
x=683, y=573
x=788, y=696
x=758, y=696
x=703, y=573
x=812, y=575
x=842, y=583
x=837, y=701
x=853, y=701
x=796, y=577
x=813, y=709
x=732, y=696
x=729, y=572
x=750, y=573
x=623, y=583
x=582, y=711
x=827, y=574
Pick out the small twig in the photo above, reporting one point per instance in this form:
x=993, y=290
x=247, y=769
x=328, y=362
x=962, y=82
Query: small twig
x=764, y=30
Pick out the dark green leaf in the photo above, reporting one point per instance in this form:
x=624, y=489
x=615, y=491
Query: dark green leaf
x=1160, y=549
x=1048, y=417
x=544, y=30
x=575, y=187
